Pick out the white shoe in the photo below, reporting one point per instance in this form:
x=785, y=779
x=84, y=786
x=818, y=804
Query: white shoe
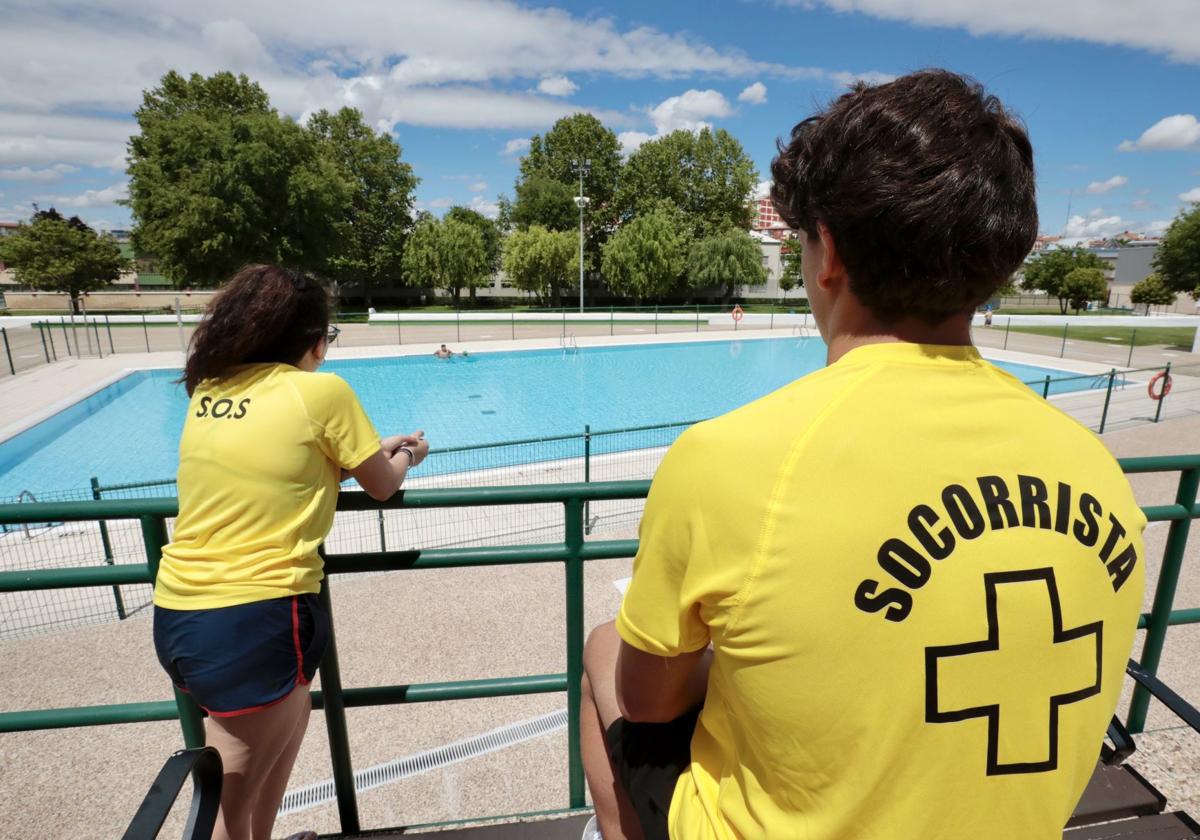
x=591, y=831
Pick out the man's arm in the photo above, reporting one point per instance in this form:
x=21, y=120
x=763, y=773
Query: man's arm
x=657, y=689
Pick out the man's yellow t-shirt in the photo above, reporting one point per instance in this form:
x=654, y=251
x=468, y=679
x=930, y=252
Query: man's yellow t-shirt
x=259, y=466
x=921, y=583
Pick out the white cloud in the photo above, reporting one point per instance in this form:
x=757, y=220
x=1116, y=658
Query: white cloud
x=491, y=209
x=1179, y=131
x=762, y=189
x=688, y=110
x=1190, y=195
x=557, y=86
x=1156, y=228
x=516, y=146
x=33, y=139
x=442, y=203
x=107, y=197
x=631, y=140
x=1161, y=26
x=478, y=186
x=235, y=43
x=871, y=77
x=755, y=94
x=1140, y=204
x=25, y=173
x=1095, y=226
x=1101, y=187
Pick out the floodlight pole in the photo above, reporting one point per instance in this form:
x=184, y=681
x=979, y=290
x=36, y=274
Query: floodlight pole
x=581, y=201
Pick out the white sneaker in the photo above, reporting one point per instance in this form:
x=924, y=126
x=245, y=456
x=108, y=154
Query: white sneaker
x=591, y=831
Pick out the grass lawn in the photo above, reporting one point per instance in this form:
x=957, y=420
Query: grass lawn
x=1178, y=337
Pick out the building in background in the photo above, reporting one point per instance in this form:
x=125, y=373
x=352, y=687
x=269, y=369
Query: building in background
x=768, y=221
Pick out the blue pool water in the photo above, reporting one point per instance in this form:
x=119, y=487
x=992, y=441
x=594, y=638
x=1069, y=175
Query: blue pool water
x=130, y=430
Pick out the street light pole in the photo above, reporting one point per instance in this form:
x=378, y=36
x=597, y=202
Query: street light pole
x=581, y=201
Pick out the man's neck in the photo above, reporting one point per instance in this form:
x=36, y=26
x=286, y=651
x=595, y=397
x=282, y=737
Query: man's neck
x=953, y=331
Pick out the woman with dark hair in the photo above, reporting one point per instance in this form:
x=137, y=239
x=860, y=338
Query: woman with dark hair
x=237, y=621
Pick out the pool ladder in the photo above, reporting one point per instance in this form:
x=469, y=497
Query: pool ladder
x=568, y=343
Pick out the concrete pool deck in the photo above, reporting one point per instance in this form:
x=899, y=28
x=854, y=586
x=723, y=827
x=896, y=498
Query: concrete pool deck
x=424, y=626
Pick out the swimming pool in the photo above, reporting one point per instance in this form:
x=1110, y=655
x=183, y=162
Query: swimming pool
x=130, y=430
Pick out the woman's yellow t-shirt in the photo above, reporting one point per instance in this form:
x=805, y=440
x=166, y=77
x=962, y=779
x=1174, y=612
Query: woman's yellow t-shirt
x=259, y=466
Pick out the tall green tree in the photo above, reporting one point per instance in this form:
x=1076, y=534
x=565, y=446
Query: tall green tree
x=489, y=232
x=1047, y=272
x=62, y=255
x=541, y=261
x=790, y=277
x=217, y=179
x=1178, y=258
x=1083, y=285
x=1152, y=291
x=549, y=181
x=727, y=259
x=646, y=257
x=707, y=174
x=578, y=137
x=446, y=255
x=375, y=221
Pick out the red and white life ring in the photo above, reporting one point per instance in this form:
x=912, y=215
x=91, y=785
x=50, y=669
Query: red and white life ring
x=737, y=313
x=1166, y=385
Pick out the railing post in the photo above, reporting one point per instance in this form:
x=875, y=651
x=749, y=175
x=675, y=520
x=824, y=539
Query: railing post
x=108, y=552
x=399, y=334
x=611, y=317
x=63, y=323
x=574, y=584
x=1132, y=341
x=45, y=349
x=382, y=532
x=1112, y=374
x=11, y=367
x=697, y=317
x=108, y=326
x=1007, y=327
x=656, y=319
x=191, y=719
x=50, y=332
x=1063, y=352
x=1046, y=388
x=514, y=325
x=146, y=331
x=587, y=475
x=772, y=315
x=457, y=324
x=1163, y=398
x=335, y=725
x=1164, y=595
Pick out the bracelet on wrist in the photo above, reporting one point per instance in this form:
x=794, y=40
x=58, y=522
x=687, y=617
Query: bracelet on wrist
x=412, y=458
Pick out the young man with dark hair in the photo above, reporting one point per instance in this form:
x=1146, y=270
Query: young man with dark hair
x=895, y=598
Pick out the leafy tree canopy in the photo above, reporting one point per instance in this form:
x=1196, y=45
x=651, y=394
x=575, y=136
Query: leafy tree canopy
x=707, y=174
x=1048, y=271
x=375, y=221
x=541, y=261
x=646, y=256
x=447, y=255
x=219, y=179
x=727, y=259
x=1083, y=285
x=1152, y=291
x=62, y=255
x=1178, y=258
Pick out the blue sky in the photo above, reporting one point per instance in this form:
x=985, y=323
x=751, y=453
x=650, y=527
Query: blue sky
x=1110, y=89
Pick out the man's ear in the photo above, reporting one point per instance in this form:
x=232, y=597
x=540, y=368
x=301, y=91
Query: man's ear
x=832, y=272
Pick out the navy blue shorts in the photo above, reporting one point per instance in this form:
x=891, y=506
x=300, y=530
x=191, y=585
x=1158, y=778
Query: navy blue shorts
x=237, y=660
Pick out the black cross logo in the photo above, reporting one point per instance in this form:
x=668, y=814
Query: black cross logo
x=964, y=681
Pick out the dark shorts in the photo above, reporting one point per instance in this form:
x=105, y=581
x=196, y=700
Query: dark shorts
x=236, y=660
x=648, y=759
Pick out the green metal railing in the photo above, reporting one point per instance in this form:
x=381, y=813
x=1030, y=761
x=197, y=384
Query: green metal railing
x=152, y=514
x=572, y=552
